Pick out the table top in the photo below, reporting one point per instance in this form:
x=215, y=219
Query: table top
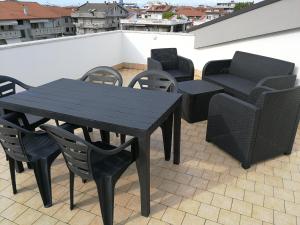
x=195, y=87
x=117, y=109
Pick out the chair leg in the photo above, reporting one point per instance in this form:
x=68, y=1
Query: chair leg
x=106, y=193
x=12, y=174
x=19, y=166
x=43, y=178
x=123, y=138
x=29, y=166
x=71, y=190
x=105, y=136
x=167, y=137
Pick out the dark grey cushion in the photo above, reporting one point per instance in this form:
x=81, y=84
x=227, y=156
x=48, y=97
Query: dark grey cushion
x=167, y=57
x=179, y=75
x=255, y=67
x=234, y=85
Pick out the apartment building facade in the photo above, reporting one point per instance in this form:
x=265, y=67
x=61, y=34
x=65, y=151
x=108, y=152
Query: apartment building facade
x=27, y=21
x=98, y=17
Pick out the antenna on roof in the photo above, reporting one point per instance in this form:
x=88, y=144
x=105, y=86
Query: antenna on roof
x=25, y=10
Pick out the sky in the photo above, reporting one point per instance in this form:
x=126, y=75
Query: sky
x=140, y=2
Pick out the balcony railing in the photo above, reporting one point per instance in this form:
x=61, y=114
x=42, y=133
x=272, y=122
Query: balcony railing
x=92, y=26
x=46, y=31
x=10, y=34
x=89, y=15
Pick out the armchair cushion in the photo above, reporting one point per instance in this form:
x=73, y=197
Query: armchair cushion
x=234, y=85
x=167, y=57
x=179, y=75
x=256, y=67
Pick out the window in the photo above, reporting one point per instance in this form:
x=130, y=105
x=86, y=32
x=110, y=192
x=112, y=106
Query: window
x=34, y=26
x=66, y=19
x=22, y=33
x=20, y=22
x=1, y=27
x=67, y=29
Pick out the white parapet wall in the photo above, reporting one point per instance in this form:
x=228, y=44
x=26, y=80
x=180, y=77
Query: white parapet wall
x=283, y=45
x=38, y=62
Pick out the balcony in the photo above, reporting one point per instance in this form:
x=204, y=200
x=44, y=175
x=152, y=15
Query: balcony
x=92, y=26
x=208, y=187
x=46, y=31
x=10, y=34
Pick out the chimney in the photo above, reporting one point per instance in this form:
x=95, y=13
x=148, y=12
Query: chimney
x=25, y=10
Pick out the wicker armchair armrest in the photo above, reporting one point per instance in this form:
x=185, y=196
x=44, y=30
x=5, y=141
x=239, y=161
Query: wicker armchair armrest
x=186, y=65
x=216, y=67
x=154, y=64
x=278, y=82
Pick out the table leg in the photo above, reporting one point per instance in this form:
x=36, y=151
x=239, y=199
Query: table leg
x=143, y=168
x=177, y=134
x=166, y=128
x=105, y=136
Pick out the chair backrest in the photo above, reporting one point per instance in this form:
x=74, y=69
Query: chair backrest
x=167, y=57
x=8, y=87
x=155, y=80
x=11, y=136
x=278, y=121
x=256, y=67
x=75, y=150
x=103, y=75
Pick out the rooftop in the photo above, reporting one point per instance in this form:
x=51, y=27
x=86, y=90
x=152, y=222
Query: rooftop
x=208, y=187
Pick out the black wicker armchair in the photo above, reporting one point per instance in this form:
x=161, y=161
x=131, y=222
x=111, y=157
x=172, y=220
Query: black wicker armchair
x=182, y=69
x=257, y=130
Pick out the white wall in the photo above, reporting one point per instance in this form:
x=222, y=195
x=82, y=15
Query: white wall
x=39, y=62
x=137, y=46
x=278, y=16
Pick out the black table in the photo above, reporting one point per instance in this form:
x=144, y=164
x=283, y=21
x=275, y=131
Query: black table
x=196, y=98
x=122, y=110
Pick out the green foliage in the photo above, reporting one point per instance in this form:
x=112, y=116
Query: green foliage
x=168, y=15
x=242, y=5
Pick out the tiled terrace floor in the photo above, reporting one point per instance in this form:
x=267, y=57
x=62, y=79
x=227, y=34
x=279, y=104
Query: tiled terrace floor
x=208, y=187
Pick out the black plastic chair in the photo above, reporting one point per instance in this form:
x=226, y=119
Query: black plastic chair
x=96, y=161
x=8, y=87
x=35, y=148
x=158, y=81
x=100, y=75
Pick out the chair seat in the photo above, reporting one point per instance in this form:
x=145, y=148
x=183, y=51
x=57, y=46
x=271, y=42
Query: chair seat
x=106, y=165
x=40, y=146
x=179, y=75
x=234, y=85
x=35, y=121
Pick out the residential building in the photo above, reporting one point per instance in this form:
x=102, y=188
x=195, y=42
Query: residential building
x=98, y=17
x=156, y=25
x=228, y=7
x=27, y=21
x=157, y=11
x=199, y=15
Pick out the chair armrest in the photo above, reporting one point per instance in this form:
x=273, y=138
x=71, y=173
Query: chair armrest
x=15, y=81
x=278, y=82
x=216, y=67
x=154, y=64
x=186, y=65
x=114, y=151
x=256, y=92
x=232, y=124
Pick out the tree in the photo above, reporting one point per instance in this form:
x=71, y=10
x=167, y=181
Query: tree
x=168, y=15
x=242, y=5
